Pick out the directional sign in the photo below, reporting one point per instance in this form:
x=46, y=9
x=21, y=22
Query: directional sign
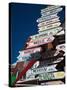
x=50, y=8
x=42, y=19
x=53, y=82
x=52, y=12
x=27, y=54
x=40, y=42
x=60, y=33
x=30, y=51
x=49, y=26
x=52, y=75
x=44, y=69
x=60, y=47
x=29, y=57
x=44, y=23
x=51, y=31
x=45, y=33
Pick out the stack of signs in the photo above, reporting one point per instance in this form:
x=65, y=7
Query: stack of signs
x=49, y=21
x=48, y=26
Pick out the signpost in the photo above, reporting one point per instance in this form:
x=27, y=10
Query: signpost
x=30, y=51
x=29, y=54
x=44, y=69
x=52, y=76
x=61, y=47
x=43, y=18
x=50, y=26
x=53, y=82
x=52, y=30
x=45, y=33
x=29, y=57
x=51, y=12
x=40, y=42
x=44, y=23
x=50, y=8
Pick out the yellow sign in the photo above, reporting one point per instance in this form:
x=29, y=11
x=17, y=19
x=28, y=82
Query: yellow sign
x=59, y=75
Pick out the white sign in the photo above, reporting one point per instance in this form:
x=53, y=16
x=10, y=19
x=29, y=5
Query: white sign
x=50, y=26
x=52, y=75
x=52, y=83
x=60, y=47
x=24, y=58
x=26, y=54
x=49, y=8
x=30, y=51
x=45, y=33
x=42, y=19
x=40, y=42
x=51, y=31
x=52, y=12
x=44, y=69
x=54, y=20
x=28, y=57
x=61, y=33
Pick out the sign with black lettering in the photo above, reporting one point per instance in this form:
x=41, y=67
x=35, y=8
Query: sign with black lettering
x=45, y=33
x=44, y=69
x=52, y=76
x=51, y=12
x=54, y=25
x=40, y=42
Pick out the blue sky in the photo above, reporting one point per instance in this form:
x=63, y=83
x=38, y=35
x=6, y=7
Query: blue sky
x=23, y=24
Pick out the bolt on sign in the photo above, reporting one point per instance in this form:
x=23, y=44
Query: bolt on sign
x=49, y=8
x=28, y=57
x=26, y=54
x=49, y=26
x=51, y=12
x=60, y=33
x=40, y=42
x=60, y=47
x=52, y=30
x=43, y=18
x=46, y=33
x=53, y=83
x=44, y=69
x=52, y=75
x=30, y=51
x=44, y=23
